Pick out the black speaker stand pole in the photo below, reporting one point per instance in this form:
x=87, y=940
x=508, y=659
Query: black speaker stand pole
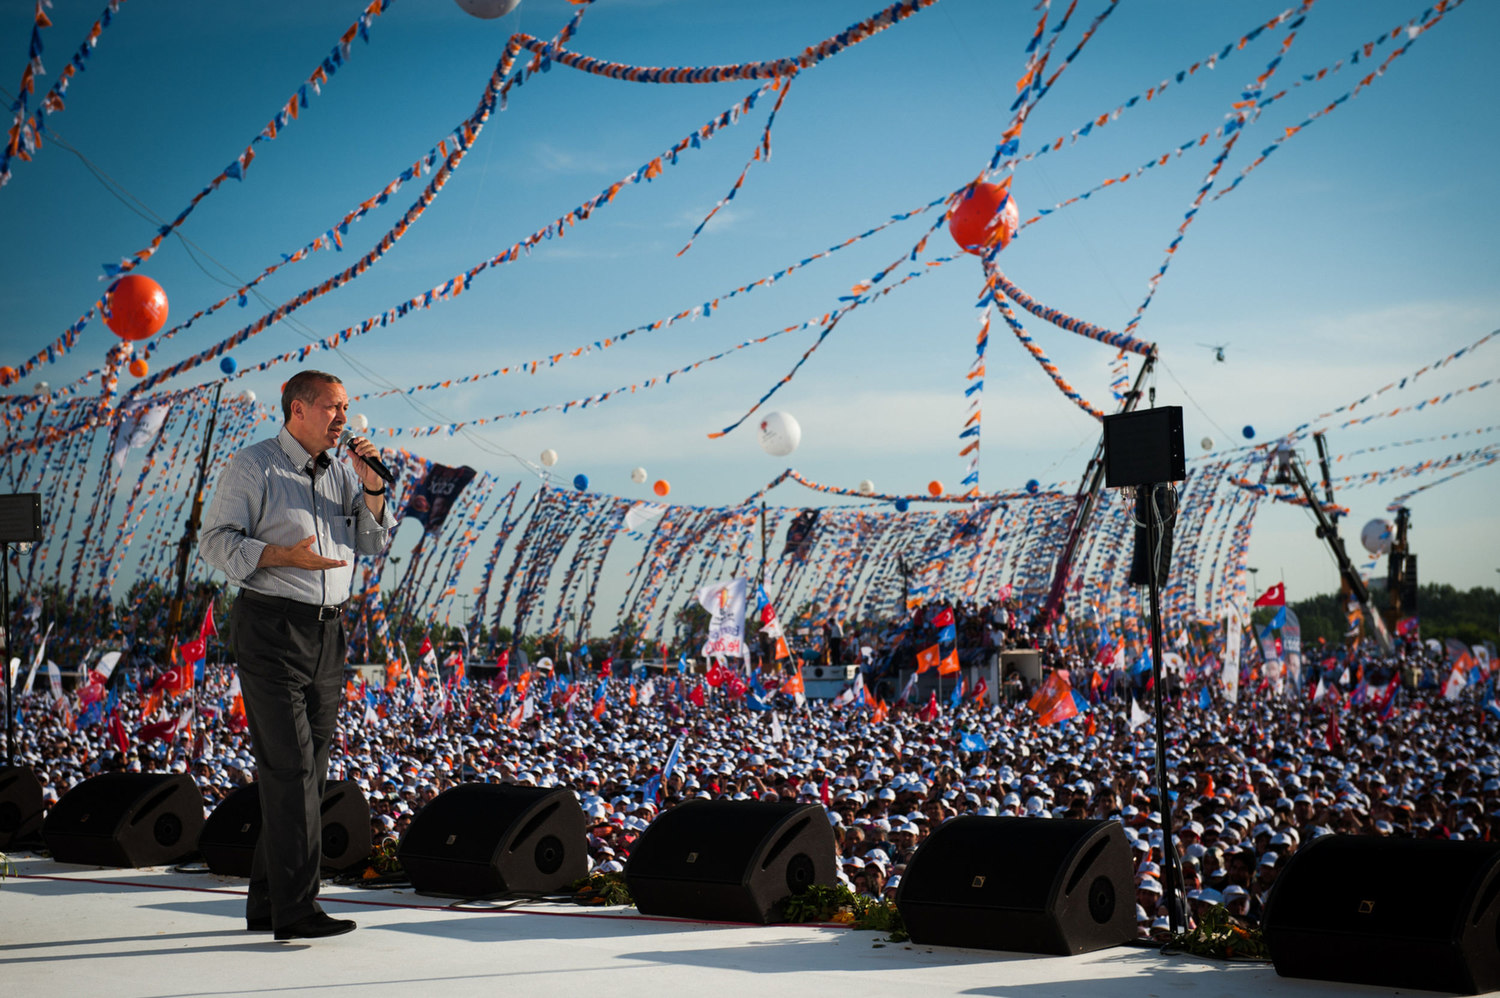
x=1147, y=510
x=10, y=691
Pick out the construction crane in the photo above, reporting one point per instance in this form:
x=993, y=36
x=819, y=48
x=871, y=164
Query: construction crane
x=1290, y=471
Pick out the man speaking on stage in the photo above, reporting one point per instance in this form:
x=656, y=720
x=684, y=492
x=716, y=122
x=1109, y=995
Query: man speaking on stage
x=285, y=524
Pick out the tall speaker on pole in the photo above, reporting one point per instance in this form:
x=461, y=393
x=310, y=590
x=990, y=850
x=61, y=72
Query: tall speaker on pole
x=1143, y=450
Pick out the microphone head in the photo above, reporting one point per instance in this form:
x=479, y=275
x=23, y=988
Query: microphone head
x=346, y=434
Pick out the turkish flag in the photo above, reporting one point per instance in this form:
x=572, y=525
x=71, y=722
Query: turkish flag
x=697, y=695
x=1275, y=596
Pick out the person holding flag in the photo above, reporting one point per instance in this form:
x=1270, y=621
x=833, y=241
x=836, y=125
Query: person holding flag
x=285, y=524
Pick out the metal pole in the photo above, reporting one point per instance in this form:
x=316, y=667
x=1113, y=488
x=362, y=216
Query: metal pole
x=1147, y=509
x=10, y=693
x=184, y=552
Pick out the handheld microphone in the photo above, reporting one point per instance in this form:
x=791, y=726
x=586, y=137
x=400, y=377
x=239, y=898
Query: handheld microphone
x=375, y=463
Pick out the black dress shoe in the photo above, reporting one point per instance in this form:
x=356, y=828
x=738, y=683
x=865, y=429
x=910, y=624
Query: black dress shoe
x=315, y=927
x=262, y=924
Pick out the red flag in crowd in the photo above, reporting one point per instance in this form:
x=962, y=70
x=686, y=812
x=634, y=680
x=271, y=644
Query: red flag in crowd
x=1275, y=596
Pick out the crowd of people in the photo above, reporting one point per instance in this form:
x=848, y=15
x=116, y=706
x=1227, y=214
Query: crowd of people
x=1250, y=782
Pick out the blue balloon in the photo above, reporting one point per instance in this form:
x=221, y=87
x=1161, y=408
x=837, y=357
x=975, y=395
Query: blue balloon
x=1249, y=432
x=902, y=505
x=1032, y=486
x=581, y=482
x=227, y=365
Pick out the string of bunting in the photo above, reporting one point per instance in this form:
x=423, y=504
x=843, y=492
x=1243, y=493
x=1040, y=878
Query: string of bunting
x=762, y=151
x=454, y=286
x=1216, y=133
x=975, y=393
x=1412, y=30
x=705, y=310
x=1481, y=459
x=1041, y=357
x=1241, y=115
x=860, y=295
x=26, y=135
x=22, y=137
x=1083, y=131
x=289, y=111
x=773, y=69
x=1398, y=384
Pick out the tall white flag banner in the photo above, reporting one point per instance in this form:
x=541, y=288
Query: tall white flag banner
x=1231, y=676
x=41, y=655
x=725, y=602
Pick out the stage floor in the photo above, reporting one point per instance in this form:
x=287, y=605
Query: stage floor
x=67, y=930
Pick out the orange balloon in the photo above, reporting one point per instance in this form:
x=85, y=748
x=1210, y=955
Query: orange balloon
x=139, y=368
x=8, y=375
x=987, y=215
x=135, y=307
x=934, y=488
x=662, y=487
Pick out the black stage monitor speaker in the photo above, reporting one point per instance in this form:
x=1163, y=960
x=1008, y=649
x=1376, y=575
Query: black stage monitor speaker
x=126, y=819
x=1033, y=885
x=730, y=860
x=1393, y=913
x=1144, y=447
x=20, y=807
x=21, y=518
x=487, y=839
x=227, y=842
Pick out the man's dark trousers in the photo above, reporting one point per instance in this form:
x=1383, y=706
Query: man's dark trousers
x=291, y=669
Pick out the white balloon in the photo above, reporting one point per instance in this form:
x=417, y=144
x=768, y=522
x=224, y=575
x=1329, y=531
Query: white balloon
x=779, y=434
x=359, y=422
x=638, y=475
x=867, y=487
x=489, y=9
x=41, y=387
x=1376, y=537
x=248, y=395
x=549, y=457
x=1208, y=443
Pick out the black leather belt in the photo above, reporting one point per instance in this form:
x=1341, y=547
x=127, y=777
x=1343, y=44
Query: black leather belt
x=294, y=609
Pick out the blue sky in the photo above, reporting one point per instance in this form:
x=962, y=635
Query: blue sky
x=1362, y=250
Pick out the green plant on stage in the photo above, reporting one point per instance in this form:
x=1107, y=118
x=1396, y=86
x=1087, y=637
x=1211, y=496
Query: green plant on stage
x=1222, y=936
x=602, y=888
x=837, y=903
x=384, y=861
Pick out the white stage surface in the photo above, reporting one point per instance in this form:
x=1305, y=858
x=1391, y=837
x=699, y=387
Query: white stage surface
x=72, y=930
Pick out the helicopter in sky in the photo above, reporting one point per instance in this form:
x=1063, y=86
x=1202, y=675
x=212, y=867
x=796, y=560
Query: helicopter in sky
x=1217, y=349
